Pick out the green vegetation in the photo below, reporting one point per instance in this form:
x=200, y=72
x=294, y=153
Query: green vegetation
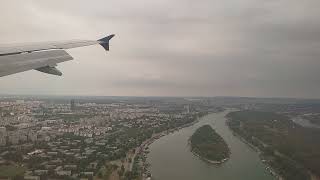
x=105, y=171
x=291, y=150
x=206, y=143
x=11, y=171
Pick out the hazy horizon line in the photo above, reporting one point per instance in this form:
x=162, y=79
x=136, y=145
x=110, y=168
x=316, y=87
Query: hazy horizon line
x=159, y=96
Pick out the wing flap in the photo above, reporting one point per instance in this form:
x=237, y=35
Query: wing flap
x=22, y=62
x=50, y=70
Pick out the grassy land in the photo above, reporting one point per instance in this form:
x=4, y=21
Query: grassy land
x=290, y=149
x=209, y=145
x=11, y=171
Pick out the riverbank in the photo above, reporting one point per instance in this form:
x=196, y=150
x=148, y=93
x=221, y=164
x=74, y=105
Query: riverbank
x=171, y=159
x=143, y=149
x=135, y=159
x=256, y=149
x=264, y=159
x=208, y=160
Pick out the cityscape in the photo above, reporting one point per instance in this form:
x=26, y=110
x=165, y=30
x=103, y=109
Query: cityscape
x=110, y=137
x=87, y=139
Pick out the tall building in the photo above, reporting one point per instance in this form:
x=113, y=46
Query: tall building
x=3, y=130
x=3, y=136
x=72, y=105
x=187, y=108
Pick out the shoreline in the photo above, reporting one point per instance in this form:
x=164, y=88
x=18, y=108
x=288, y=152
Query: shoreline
x=217, y=163
x=148, y=142
x=208, y=160
x=143, y=149
x=256, y=149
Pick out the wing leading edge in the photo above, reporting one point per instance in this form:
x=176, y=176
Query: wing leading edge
x=41, y=56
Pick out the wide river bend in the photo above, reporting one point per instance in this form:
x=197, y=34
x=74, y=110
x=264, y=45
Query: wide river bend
x=171, y=159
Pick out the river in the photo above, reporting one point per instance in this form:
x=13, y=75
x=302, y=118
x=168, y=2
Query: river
x=171, y=159
x=304, y=122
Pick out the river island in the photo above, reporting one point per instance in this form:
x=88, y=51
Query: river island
x=209, y=145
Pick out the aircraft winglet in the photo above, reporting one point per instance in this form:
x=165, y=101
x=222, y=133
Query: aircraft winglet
x=104, y=42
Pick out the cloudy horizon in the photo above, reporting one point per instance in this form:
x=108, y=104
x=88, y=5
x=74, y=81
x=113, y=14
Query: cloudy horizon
x=171, y=47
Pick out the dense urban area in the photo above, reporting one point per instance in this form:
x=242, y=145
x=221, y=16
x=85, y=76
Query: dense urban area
x=87, y=138
x=109, y=137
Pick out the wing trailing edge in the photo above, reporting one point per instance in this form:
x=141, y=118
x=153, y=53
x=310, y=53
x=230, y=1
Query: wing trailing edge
x=50, y=70
x=39, y=60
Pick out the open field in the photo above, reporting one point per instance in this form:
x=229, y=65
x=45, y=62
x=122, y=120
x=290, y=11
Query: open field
x=11, y=171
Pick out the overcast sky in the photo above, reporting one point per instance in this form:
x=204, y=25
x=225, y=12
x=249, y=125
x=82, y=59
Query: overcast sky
x=171, y=47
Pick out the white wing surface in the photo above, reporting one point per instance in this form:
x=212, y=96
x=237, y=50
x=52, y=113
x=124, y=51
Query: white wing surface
x=41, y=56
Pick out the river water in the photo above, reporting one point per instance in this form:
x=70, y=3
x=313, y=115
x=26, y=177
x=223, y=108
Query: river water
x=304, y=122
x=171, y=159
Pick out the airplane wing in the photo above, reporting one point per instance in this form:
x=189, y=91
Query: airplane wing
x=41, y=56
